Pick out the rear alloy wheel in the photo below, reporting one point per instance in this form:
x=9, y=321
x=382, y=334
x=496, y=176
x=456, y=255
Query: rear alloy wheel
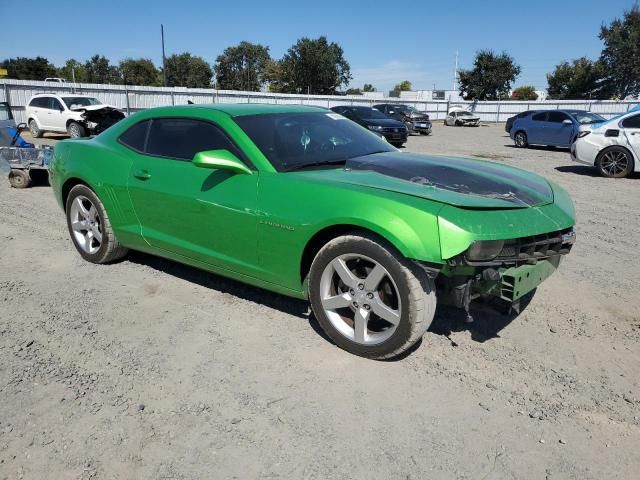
x=90, y=228
x=34, y=130
x=615, y=162
x=369, y=299
x=520, y=139
x=75, y=130
x=19, y=178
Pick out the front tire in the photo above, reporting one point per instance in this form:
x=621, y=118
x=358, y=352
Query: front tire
x=75, y=130
x=520, y=140
x=368, y=298
x=90, y=228
x=615, y=162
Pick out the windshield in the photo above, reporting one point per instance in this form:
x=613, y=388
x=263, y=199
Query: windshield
x=292, y=140
x=585, y=118
x=464, y=114
x=74, y=102
x=406, y=109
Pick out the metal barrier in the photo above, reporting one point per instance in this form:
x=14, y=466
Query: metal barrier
x=134, y=98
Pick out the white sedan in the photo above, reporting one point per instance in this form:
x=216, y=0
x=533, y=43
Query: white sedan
x=613, y=147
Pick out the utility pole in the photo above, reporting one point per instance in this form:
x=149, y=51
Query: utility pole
x=164, y=60
x=455, y=74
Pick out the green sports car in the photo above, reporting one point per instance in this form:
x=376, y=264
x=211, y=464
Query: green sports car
x=302, y=201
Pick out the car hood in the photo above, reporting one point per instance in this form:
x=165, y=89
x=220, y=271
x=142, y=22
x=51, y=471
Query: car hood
x=469, y=118
x=460, y=182
x=90, y=108
x=383, y=122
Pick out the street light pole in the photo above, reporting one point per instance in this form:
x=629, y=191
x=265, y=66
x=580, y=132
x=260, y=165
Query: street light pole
x=164, y=60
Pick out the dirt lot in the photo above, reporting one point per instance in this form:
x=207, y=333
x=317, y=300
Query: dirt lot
x=149, y=369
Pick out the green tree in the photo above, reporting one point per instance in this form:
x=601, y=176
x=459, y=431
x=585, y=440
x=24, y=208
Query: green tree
x=490, y=78
x=73, y=69
x=185, y=70
x=526, y=92
x=242, y=67
x=368, y=88
x=23, y=68
x=140, y=71
x=313, y=66
x=403, y=86
x=99, y=70
x=353, y=91
x=580, y=79
x=621, y=54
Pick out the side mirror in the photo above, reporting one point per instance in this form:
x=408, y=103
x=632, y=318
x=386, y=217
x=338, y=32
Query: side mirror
x=566, y=121
x=220, y=160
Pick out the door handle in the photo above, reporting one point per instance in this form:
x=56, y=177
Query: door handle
x=142, y=175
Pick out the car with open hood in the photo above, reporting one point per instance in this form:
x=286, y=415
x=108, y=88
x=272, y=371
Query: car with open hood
x=74, y=114
x=461, y=117
x=393, y=131
x=301, y=201
x=612, y=146
x=415, y=120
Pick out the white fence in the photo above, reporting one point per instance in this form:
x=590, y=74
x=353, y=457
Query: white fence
x=133, y=99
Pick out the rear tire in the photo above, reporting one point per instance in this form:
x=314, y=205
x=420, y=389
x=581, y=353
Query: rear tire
x=369, y=299
x=520, y=139
x=19, y=179
x=75, y=130
x=615, y=162
x=90, y=228
x=34, y=129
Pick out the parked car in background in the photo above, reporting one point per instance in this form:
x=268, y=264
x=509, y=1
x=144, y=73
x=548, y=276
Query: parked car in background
x=77, y=115
x=510, y=120
x=55, y=80
x=459, y=117
x=555, y=128
x=304, y=202
x=414, y=120
x=393, y=131
x=613, y=147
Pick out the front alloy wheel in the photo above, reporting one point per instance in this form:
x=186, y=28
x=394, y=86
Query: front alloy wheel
x=369, y=299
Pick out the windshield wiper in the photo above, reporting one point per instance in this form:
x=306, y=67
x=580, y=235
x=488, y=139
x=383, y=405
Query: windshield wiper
x=315, y=164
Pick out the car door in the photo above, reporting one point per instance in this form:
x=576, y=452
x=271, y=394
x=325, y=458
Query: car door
x=631, y=126
x=56, y=115
x=41, y=111
x=202, y=214
x=535, y=127
x=559, y=129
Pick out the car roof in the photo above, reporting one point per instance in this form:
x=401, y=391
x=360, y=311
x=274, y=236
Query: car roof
x=241, y=109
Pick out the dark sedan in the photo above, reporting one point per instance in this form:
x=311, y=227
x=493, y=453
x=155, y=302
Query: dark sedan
x=414, y=120
x=393, y=131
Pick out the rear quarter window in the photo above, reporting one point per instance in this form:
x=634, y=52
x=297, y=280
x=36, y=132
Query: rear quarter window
x=136, y=136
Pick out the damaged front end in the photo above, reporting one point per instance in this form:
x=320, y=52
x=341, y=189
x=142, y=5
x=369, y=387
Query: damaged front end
x=502, y=270
x=97, y=120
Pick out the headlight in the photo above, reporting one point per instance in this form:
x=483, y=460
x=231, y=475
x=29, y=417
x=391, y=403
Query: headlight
x=484, y=250
x=376, y=128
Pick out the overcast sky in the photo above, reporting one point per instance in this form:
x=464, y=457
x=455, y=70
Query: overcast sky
x=384, y=42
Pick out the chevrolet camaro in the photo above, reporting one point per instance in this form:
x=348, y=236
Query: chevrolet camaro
x=302, y=201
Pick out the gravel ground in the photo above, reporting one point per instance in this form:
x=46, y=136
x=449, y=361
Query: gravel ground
x=149, y=369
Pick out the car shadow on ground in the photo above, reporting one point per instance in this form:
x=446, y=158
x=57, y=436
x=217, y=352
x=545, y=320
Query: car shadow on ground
x=579, y=170
x=544, y=148
x=291, y=306
x=487, y=324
